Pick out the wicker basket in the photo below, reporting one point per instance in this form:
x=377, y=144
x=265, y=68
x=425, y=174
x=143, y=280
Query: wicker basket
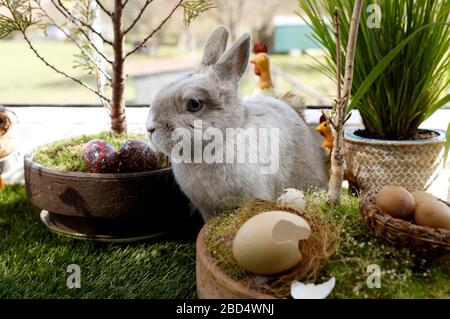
x=413, y=164
x=402, y=233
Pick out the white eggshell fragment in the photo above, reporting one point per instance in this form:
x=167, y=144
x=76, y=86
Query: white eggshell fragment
x=300, y=290
x=268, y=242
x=292, y=198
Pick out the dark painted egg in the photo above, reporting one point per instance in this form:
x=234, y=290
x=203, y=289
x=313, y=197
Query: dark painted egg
x=100, y=157
x=137, y=156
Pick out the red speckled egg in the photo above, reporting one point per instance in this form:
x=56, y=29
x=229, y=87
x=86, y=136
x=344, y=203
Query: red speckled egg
x=100, y=157
x=137, y=156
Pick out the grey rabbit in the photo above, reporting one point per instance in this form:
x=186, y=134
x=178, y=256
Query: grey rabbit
x=210, y=94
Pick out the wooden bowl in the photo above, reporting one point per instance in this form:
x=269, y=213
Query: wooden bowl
x=213, y=283
x=154, y=194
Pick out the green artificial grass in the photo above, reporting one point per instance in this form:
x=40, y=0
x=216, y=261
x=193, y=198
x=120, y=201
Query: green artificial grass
x=66, y=155
x=33, y=261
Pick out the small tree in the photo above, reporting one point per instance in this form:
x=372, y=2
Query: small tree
x=81, y=26
x=339, y=117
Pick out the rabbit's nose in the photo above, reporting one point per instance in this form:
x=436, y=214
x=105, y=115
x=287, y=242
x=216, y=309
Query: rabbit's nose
x=151, y=130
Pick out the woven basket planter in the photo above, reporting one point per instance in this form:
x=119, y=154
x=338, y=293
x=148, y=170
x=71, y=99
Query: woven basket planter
x=402, y=233
x=411, y=163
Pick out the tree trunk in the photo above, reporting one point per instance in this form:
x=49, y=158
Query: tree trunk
x=337, y=163
x=337, y=153
x=118, y=121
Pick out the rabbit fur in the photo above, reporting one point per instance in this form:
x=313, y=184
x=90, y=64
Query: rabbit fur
x=215, y=187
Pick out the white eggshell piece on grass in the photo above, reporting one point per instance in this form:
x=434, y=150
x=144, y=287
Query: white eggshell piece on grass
x=292, y=198
x=300, y=290
x=268, y=242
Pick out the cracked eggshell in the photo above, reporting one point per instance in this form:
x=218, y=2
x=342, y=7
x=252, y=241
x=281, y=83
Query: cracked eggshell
x=268, y=242
x=292, y=198
x=300, y=290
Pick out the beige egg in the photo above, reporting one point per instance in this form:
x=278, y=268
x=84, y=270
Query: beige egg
x=396, y=201
x=420, y=196
x=268, y=242
x=433, y=213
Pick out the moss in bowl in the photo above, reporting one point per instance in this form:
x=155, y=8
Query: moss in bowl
x=66, y=155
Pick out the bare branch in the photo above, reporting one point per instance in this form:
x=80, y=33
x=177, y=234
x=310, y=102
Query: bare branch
x=140, y=45
x=23, y=31
x=337, y=152
x=337, y=35
x=70, y=18
x=327, y=118
x=70, y=37
x=64, y=11
x=124, y=4
x=62, y=72
x=141, y=12
x=109, y=13
x=353, y=33
x=338, y=52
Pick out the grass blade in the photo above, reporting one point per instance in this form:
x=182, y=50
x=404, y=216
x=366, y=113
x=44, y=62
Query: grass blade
x=381, y=66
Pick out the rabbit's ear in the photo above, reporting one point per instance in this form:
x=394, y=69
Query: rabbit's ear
x=215, y=46
x=233, y=63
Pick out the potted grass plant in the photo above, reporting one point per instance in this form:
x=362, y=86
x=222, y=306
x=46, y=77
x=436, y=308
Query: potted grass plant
x=118, y=204
x=400, y=79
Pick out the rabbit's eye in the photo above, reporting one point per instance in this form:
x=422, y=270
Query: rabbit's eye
x=194, y=105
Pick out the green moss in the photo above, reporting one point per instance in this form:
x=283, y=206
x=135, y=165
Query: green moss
x=403, y=273
x=66, y=155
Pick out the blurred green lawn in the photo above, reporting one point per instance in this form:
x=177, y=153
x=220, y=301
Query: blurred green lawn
x=25, y=79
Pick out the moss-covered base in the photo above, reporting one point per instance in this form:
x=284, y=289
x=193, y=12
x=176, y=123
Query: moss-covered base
x=66, y=155
x=403, y=273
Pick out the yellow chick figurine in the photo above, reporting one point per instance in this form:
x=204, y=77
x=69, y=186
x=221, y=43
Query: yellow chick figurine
x=325, y=130
x=265, y=86
x=262, y=70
